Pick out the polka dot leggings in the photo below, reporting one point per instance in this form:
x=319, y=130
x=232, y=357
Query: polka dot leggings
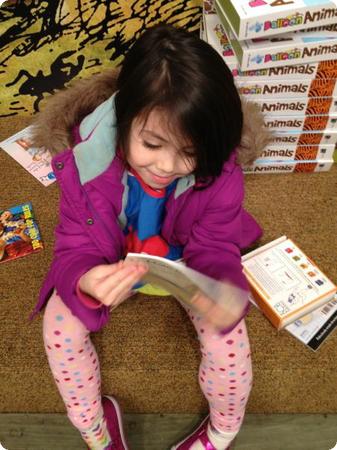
x=73, y=362
x=225, y=374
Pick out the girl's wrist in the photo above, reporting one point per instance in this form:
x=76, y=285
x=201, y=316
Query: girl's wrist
x=86, y=299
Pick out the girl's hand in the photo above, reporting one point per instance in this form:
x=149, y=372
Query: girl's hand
x=111, y=284
x=224, y=319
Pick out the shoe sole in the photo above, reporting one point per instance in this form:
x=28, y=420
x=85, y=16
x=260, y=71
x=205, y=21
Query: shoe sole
x=120, y=420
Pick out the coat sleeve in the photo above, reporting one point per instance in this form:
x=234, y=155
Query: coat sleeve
x=224, y=228
x=74, y=254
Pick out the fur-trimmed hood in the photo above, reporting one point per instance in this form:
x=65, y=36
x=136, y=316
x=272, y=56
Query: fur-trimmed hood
x=52, y=127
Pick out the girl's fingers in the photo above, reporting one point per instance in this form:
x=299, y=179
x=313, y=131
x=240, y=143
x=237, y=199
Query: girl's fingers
x=201, y=303
x=126, y=284
x=211, y=311
x=119, y=284
x=122, y=299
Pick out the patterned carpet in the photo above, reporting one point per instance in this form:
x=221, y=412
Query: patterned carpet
x=44, y=45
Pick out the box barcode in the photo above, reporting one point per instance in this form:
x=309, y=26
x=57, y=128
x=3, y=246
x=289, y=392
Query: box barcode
x=328, y=306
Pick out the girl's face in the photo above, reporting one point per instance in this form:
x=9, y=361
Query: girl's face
x=157, y=155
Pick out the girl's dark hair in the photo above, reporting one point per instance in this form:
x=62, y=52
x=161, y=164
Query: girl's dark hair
x=173, y=69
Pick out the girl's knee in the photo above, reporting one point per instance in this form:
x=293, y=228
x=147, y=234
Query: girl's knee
x=60, y=326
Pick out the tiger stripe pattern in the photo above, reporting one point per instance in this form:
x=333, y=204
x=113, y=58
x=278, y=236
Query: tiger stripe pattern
x=322, y=88
x=306, y=152
x=320, y=105
x=305, y=167
x=327, y=69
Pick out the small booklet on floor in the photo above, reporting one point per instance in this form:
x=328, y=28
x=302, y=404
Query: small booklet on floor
x=285, y=283
x=37, y=161
x=19, y=233
x=184, y=283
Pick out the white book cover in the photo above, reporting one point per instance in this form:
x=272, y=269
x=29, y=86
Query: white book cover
x=36, y=161
x=251, y=19
x=285, y=283
x=290, y=166
x=286, y=49
x=288, y=106
x=283, y=152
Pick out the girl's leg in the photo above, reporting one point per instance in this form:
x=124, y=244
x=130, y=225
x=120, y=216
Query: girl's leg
x=225, y=376
x=75, y=367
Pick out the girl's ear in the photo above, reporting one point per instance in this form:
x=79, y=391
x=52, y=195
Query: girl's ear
x=255, y=136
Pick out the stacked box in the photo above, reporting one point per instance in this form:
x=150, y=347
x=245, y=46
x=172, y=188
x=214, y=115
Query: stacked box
x=298, y=106
x=264, y=18
x=305, y=137
x=289, y=48
x=214, y=33
x=268, y=167
x=284, y=152
x=299, y=101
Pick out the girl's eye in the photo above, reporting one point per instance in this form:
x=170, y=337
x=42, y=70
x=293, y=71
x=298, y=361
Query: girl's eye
x=189, y=154
x=149, y=145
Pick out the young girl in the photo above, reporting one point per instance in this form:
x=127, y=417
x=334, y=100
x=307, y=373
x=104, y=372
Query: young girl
x=149, y=162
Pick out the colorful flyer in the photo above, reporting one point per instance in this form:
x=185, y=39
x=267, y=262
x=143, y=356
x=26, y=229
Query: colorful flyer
x=19, y=233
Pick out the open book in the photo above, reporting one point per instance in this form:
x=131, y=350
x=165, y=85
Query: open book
x=285, y=283
x=229, y=301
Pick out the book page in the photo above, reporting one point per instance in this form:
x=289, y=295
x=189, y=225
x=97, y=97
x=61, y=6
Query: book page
x=184, y=283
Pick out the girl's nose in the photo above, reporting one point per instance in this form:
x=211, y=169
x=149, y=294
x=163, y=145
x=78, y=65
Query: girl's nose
x=166, y=163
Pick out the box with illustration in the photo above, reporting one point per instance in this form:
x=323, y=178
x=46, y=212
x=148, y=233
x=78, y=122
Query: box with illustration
x=215, y=34
x=285, y=283
x=286, y=49
x=251, y=19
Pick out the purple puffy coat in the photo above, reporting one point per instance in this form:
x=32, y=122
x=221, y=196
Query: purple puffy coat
x=210, y=224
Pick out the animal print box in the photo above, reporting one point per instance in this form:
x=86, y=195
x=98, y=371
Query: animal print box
x=289, y=167
x=283, y=152
x=305, y=123
x=298, y=106
x=297, y=137
x=287, y=88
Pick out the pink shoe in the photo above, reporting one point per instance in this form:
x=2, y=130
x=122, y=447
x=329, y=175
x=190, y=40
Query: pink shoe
x=113, y=416
x=201, y=434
